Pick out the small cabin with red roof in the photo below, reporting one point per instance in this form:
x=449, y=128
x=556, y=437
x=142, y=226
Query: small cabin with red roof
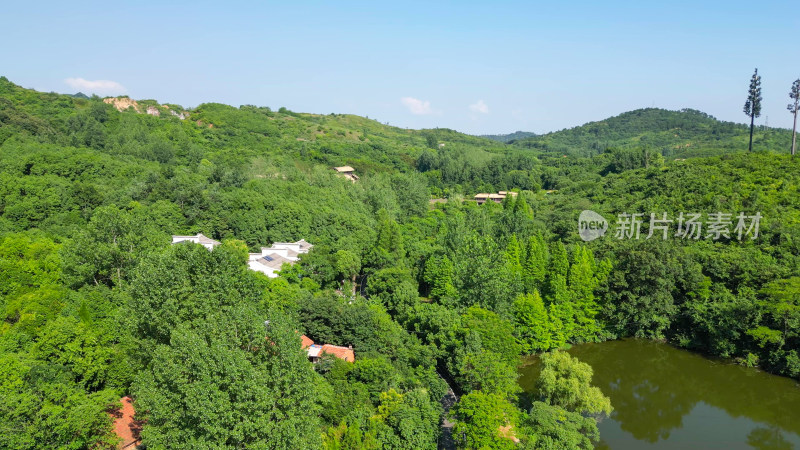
x=315, y=351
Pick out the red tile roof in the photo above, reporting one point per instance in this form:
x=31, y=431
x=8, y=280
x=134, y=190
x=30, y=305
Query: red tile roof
x=125, y=426
x=344, y=353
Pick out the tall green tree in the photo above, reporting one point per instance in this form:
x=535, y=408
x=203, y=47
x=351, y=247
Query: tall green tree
x=480, y=419
x=558, y=270
x=582, y=284
x=793, y=107
x=513, y=257
x=111, y=245
x=752, y=107
x=413, y=419
x=535, y=266
x=554, y=427
x=566, y=382
x=560, y=306
x=532, y=326
x=394, y=288
x=521, y=218
x=438, y=275
x=487, y=372
x=348, y=264
x=388, y=248
x=495, y=333
x=783, y=303
x=30, y=293
x=43, y=407
x=213, y=371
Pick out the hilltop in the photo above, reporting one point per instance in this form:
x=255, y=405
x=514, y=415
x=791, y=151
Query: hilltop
x=684, y=133
x=366, y=144
x=249, y=131
x=506, y=138
x=237, y=144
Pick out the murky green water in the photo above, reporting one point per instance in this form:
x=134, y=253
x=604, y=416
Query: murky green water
x=665, y=398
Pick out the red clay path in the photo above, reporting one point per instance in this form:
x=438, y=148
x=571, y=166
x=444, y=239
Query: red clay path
x=124, y=425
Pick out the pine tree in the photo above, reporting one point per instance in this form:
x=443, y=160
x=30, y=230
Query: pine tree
x=535, y=266
x=522, y=209
x=509, y=282
x=559, y=262
x=514, y=257
x=581, y=271
x=533, y=327
x=793, y=107
x=557, y=275
x=558, y=297
x=559, y=332
x=438, y=275
x=752, y=107
x=508, y=203
x=582, y=283
x=388, y=248
x=348, y=264
x=522, y=216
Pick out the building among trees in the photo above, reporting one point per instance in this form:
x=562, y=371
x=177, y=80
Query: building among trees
x=347, y=172
x=200, y=238
x=271, y=259
x=315, y=351
x=497, y=198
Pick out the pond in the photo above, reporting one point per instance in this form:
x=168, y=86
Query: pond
x=666, y=398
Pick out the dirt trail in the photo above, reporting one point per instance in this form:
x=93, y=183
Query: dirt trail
x=448, y=400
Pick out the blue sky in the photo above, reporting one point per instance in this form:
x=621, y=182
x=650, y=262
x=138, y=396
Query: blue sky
x=475, y=67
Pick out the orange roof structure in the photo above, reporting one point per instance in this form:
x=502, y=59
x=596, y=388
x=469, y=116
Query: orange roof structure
x=345, y=353
x=125, y=426
x=316, y=350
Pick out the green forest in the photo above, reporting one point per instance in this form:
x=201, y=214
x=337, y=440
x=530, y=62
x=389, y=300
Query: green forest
x=432, y=291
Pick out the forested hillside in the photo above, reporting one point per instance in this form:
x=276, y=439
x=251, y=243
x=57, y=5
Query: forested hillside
x=675, y=134
x=97, y=304
x=506, y=138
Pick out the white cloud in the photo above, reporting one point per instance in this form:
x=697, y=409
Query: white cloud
x=417, y=106
x=99, y=87
x=479, y=107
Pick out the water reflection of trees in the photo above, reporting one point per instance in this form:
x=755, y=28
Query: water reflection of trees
x=768, y=438
x=653, y=386
x=649, y=393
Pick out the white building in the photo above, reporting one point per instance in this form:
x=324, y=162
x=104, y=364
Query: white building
x=271, y=259
x=497, y=198
x=201, y=239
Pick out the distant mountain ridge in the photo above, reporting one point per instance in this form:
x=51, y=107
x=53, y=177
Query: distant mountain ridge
x=506, y=138
x=338, y=139
x=329, y=139
x=684, y=133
